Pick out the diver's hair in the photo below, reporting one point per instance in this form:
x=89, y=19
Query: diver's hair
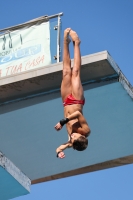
x=80, y=144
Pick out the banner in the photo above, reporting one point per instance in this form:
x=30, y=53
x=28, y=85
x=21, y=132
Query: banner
x=25, y=49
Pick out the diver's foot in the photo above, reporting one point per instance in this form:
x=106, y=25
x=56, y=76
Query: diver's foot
x=75, y=37
x=66, y=35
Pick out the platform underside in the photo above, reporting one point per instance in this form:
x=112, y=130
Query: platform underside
x=30, y=106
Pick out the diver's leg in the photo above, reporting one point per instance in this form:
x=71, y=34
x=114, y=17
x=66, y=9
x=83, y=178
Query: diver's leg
x=66, y=80
x=77, y=89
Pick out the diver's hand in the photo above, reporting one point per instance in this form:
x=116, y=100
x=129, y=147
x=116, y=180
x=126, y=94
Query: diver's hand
x=58, y=126
x=61, y=155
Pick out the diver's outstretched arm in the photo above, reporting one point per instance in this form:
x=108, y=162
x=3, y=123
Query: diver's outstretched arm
x=62, y=147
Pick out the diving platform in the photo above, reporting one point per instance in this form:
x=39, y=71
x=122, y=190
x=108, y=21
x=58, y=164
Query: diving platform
x=31, y=105
x=13, y=182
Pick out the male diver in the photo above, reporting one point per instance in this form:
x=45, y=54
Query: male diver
x=73, y=98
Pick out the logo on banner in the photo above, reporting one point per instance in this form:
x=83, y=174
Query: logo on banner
x=20, y=53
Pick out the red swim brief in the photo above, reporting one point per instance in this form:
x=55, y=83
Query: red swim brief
x=71, y=100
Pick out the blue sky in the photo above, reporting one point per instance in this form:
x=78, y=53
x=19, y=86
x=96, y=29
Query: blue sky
x=101, y=25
